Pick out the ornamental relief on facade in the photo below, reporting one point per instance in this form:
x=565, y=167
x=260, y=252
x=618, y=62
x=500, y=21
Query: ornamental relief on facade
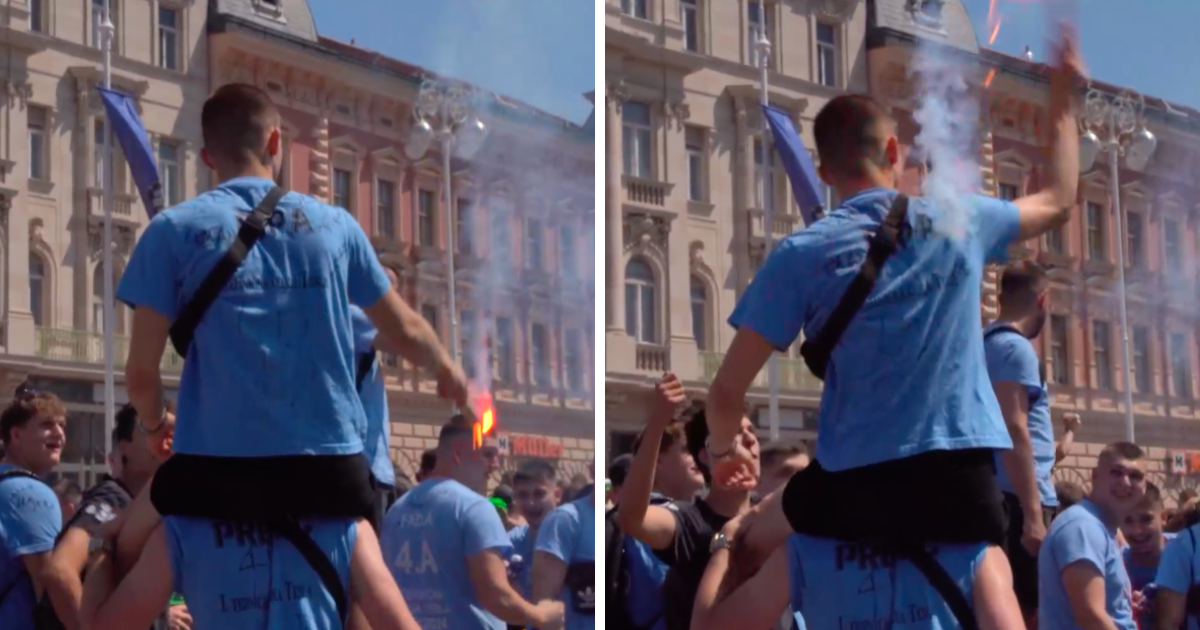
x=123, y=239
x=646, y=231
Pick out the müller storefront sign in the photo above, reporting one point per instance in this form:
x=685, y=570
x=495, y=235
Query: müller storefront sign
x=534, y=446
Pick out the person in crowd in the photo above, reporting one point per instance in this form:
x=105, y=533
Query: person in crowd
x=618, y=472
x=1183, y=517
x=564, y=562
x=536, y=491
x=679, y=531
x=780, y=460
x=1024, y=470
x=909, y=422
x=69, y=496
x=428, y=463
x=445, y=545
x=132, y=464
x=512, y=507
x=832, y=584
x=1143, y=529
x=1068, y=493
x=1081, y=575
x=1071, y=424
x=33, y=430
x=1178, y=576
x=277, y=347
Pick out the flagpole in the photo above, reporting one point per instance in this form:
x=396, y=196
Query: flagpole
x=106, y=37
x=763, y=46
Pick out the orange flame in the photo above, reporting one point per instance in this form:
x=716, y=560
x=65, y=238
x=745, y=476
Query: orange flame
x=487, y=419
x=987, y=82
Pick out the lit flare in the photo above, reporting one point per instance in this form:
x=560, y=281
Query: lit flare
x=487, y=419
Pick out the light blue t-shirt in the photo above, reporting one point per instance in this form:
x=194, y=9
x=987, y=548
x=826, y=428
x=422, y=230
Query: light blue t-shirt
x=1078, y=535
x=853, y=585
x=374, y=400
x=646, y=576
x=908, y=375
x=240, y=576
x=426, y=539
x=569, y=534
x=271, y=371
x=522, y=545
x=30, y=520
x=1011, y=358
x=1179, y=567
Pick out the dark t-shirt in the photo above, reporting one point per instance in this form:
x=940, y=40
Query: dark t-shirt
x=695, y=525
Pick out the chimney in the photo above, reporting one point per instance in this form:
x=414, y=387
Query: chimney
x=1028, y=54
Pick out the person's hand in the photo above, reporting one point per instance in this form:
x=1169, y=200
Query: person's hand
x=736, y=467
x=1032, y=534
x=668, y=396
x=1139, y=601
x=552, y=614
x=452, y=385
x=1071, y=422
x=1069, y=71
x=178, y=618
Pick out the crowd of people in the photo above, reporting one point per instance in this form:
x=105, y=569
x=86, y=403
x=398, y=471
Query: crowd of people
x=265, y=497
x=930, y=501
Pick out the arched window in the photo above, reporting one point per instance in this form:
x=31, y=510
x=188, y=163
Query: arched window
x=640, y=302
x=37, y=289
x=699, y=296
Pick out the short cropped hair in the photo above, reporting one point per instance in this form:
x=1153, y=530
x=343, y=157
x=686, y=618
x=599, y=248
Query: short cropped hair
x=235, y=121
x=849, y=132
x=779, y=451
x=534, y=471
x=428, y=461
x=1021, y=284
x=27, y=406
x=1124, y=450
x=1153, y=498
x=672, y=434
x=1069, y=493
x=618, y=470
x=457, y=427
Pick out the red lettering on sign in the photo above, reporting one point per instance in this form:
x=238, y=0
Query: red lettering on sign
x=536, y=446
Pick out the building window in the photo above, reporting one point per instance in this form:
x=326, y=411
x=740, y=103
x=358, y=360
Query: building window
x=694, y=137
x=699, y=295
x=1095, y=232
x=1135, y=240
x=98, y=20
x=168, y=171
x=470, y=344
x=689, y=17
x=385, y=207
x=1054, y=241
x=1181, y=366
x=533, y=244
x=1061, y=372
x=1173, y=245
x=567, y=248
x=635, y=138
x=37, y=16
x=501, y=238
x=827, y=54
x=341, y=188
x=426, y=218
x=1101, y=346
x=634, y=8
x=168, y=38
x=98, y=137
x=641, y=302
x=764, y=177
x=1141, y=360
x=37, y=289
x=539, y=346
x=505, y=359
x=1007, y=192
x=462, y=225
x=430, y=313
x=574, y=360
x=38, y=124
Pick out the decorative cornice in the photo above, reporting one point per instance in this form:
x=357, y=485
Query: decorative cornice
x=616, y=94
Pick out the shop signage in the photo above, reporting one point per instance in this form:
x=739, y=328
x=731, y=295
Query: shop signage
x=1178, y=463
x=535, y=446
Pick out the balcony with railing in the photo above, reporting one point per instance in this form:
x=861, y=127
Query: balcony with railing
x=782, y=225
x=646, y=193
x=81, y=346
x=123, y=204
x=794, y=377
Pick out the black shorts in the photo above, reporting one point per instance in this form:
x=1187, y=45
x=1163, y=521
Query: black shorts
x=935, y=497
x=1024, y=566
x=383, y=500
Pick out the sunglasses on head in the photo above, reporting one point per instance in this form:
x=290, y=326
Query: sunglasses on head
x=26, y=394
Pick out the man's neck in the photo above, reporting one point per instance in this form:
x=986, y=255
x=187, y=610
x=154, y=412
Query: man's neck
x=254, y=171
x=728, y=503
x=874, y=179
x=1018, y=321
x=11, y=460
x=1108, y=517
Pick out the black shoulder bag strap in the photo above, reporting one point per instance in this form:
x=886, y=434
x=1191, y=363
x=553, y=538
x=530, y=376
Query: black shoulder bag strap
x=365, y=363
x=290, y=529
x=945, y=585
x=9, y=474
x=817, y=350
x=253, y=227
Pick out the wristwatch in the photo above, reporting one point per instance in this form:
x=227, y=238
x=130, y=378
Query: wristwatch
x=719, y=541
x=714, y=455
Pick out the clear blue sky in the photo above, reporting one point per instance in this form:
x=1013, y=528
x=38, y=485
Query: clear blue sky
x=1149, y=45
x=541, y=52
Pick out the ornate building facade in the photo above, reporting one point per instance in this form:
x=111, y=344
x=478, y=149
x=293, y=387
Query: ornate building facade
x=524, y=304
x=676, y=274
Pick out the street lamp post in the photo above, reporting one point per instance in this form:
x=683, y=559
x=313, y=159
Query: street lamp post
x=445, y=112
x=1116, y=126
x=762, y=47
x=107, y=31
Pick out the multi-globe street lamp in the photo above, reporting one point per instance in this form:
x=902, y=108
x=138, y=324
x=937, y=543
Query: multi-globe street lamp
x=1115, y=125
x=445, y=113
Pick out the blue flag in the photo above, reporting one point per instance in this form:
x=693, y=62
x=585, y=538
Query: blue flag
x=127, y=128
x=797, y=162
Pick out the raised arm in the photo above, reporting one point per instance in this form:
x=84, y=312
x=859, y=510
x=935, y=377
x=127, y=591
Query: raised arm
x=650, y=524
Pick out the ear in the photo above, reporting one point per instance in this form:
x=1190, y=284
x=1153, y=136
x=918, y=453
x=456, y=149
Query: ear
x=274, y=142
x=557, y=494
x=892, y=151
x=207, y=159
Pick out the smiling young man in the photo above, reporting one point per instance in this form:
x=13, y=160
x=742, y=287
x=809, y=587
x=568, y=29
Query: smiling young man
x=33, y=429
x=536, y=491
x=1143, y=530
x=1082, y=578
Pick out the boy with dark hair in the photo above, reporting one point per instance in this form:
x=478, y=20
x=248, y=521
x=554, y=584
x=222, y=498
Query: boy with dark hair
x=1143, y=530
x=536, y=492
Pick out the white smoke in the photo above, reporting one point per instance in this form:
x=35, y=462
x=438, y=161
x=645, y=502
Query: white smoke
x=948, y=115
